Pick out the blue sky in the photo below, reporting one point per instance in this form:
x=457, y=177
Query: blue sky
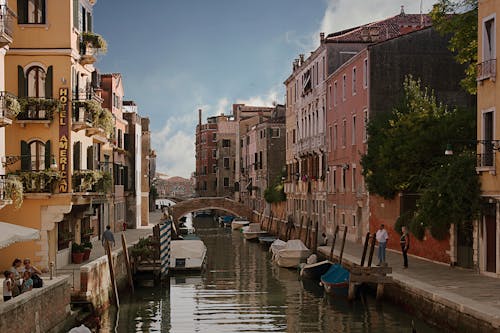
x=177, y=56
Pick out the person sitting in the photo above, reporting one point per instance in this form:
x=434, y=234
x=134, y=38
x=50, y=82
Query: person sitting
x=8, y=284
x=30, y=268
x=27, y=282
x=16, y=276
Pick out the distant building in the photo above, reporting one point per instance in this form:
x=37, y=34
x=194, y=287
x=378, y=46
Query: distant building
x=206, y=156
x=174, y=187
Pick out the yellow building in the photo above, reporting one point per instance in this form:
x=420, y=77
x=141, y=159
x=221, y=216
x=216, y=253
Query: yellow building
x=487, y=239
x=58, y=145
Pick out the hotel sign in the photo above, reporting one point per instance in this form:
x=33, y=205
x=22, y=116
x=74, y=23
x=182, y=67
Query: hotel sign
x=63, y=140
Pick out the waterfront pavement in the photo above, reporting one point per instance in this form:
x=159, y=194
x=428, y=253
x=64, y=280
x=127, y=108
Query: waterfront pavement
x=131, y=236
x=463, y=289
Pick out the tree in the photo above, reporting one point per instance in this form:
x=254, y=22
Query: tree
x=406, y=154
x=459, y=19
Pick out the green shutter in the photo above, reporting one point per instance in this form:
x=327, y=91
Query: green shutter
x=77, y=155
x=44, y=12
x=90, y=158
x=48, y=159
x=22, y=13
x=22, y=83
x=125, y=177
x=89, y=21
x=76, y=6
x=25, y=156
x=48, y=82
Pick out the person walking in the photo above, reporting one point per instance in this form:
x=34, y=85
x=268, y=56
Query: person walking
x=382, y=238
x=405, y=245
x=108, y=236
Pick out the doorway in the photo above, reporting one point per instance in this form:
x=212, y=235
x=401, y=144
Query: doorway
x=491, y=243
x=464, y=245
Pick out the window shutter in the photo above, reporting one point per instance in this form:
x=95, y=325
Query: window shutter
x=125, y=177
x=25, y=156
x=44, y=12
x=125, y=141
x=90, y=157
x=48, y=159
x=115, y=174
x=75, y=13
x=77, y=147
x=89, y=22
x=22, y=83
x=22, y=13
x=48, y=82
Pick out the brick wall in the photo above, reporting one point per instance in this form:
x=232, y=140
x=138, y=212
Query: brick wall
x=225, y=204
x=40, y=310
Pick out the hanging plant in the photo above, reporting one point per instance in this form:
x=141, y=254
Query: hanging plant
x=86, y=179
x=105, y=183
x=37, y=104
x=95, y=41
x=39, y=181
x=14, y=190
x=105, y=120
x=12, y=105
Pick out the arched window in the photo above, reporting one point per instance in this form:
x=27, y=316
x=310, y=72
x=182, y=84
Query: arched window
x=36, y=81
x=31, y=11
x=37, y=151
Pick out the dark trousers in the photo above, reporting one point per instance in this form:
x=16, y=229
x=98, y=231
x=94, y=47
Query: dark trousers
x=405, y=255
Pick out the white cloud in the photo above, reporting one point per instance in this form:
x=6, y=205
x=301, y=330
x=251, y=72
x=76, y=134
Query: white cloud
x=268, y=99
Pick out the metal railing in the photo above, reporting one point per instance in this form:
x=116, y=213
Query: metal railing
x=8, y=103
x=486, y=159
x=86, y=94
x=487, y=69
x=4, y=195
x=7, y=18
x=34, y=108
x=81, y=113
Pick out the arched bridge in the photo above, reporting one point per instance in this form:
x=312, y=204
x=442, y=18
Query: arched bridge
x=192, y=205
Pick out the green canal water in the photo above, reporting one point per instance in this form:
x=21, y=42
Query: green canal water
x=242, y=291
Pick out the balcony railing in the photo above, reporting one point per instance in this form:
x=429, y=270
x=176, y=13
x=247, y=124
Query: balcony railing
x=44, y=181
x=487, y=70
x=486, y=160
x=33, y=108
x=7, y=18
x=9, y=108
x=91, y=181
x=82, y=115
x=87, y=94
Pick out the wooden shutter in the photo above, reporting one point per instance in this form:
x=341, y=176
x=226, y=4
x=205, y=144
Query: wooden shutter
x=89, y=21
x=48, y=159
x=25, y=156
x=90, y=158
x=125, y=177
x=22, y=11
x=115, y=174
x=44, y=12
x=77, y=156
x=22, y=83
x=48, y=82
x=125, y=141
x=76, y=4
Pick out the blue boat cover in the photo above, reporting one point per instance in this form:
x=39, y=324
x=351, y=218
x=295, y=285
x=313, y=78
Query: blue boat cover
x=227, y=219
x=336, y=274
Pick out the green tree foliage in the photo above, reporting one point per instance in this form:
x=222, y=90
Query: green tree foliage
x=459, y=19
x=276, y=192
x=406, y=154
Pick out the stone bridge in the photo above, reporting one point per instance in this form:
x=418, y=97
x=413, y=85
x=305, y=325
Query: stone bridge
x=196, y=204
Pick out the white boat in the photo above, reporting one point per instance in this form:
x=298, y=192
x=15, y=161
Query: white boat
x=276, y=246
x=187, y=255
x=253, y=231
x=237, y=224
x=294, y=253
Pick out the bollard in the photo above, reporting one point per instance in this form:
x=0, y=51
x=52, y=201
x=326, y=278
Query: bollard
x=365, y=247
x=51, y=269
x=165, y=238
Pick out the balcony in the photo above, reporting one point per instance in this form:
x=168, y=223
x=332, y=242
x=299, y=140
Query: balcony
x=9, y=108
x=83, y=115
x=486, y=161
x=95, y=181
x=37, y=110
x=487, y=70
x=44, y=181
x=11, y=191
x=7, y=18
x=102, y=124
x=91, y=44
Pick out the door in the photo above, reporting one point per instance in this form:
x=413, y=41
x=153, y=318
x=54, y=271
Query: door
x=464, y=245
x=491, y=243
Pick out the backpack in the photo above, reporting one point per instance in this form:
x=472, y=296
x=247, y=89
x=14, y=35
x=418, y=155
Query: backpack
x=37, y=281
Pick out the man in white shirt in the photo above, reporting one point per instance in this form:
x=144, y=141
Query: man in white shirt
x=382, y=238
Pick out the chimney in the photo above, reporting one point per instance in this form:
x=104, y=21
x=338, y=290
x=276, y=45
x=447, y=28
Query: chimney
x=301, y=56
x=322, y=37
x=402, y=10
x=199, y=118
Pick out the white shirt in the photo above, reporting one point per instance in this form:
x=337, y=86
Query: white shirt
x=6, y=291
x=382, y=236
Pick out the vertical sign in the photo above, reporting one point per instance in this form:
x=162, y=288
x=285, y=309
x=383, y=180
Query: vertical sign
x=63, y=140
x=165, y=238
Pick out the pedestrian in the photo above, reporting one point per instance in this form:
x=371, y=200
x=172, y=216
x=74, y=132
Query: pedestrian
x=382, y=238
x=108, y=236
x=405, y=245
x=325, y=239
x=8, y=285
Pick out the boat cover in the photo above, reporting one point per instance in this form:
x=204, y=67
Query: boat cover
x=336, y=274
x=253, y=227
x=13, y=233
x=187, y=249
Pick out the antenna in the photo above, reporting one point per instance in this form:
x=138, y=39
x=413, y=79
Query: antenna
x=421, y=14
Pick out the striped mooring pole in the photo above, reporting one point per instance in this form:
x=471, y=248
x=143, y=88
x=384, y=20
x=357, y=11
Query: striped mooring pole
x=165, y=238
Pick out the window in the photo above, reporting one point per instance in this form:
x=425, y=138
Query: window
x=226, y=143
x=343, y=218
x=260, y=160
x=293, y=136
x=214, y=168
x=335, y=93
x=324, y=68
x=488, y=153
x=344, y=86
x=365, y=73
x=120, y=141
x=36, y=82
x=226, y=162
x=365, y=125
x=353, y=134
x=275, y=132
x=334, y=136
x=344, y=133
x=344, y=182
x=353, y=220
x=330, y=138
x=354, y=81
x=37, y=151
x=204, y=170
x=214, y=137
x=226, y=181
x=334, y=179
x=334, y=214
x=317, y=74
x=31, y=11
x=489, y=38
x=353, y=182
x=214, y=153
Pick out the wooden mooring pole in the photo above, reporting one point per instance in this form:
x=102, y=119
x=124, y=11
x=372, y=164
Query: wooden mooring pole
x=365, y=247
x=343, y=243
x=333, y=242
x=127, y=263
x=112, y=274
x=372, y=248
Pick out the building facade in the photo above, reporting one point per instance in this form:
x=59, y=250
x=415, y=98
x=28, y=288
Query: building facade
x=225, y=155
x=206, y=157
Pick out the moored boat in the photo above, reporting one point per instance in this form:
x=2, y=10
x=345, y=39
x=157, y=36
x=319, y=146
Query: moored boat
x=267, y=240
x=239, y=223
x=276, y=246
x=316, y=270
x=336, y=280
x=253, y=231
x=187, y=255
x=294, y=253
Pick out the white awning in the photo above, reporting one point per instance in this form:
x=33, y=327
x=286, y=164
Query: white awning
x=11, y=233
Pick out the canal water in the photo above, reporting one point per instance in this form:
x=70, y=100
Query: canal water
x=242, y=291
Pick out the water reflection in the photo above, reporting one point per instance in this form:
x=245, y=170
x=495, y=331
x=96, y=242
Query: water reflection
x=241, y=291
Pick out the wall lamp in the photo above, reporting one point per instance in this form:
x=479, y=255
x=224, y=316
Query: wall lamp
x=489, y=144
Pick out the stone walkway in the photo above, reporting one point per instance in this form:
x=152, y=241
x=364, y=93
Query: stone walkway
x=465, y=289
x=131, y=236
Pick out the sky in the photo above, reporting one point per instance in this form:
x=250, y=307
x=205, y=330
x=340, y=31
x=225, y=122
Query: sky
x=177, y=56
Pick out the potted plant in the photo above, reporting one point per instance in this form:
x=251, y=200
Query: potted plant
x=87, y=248
x=77, y=253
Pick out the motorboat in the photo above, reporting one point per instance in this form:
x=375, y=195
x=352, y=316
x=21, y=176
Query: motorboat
x=267, y=240
x=187, y=255
x=294, y=253
x=253, y=231
x=239, y=223
x=314, y=270
x=336, y=280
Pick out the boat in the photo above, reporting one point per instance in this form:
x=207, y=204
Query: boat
x=187, y=255
x=225, y=221
x=267, y=240
x=239, y=223
x=253, y=231
x=275, y=247
x=314, y=271
x=336, y=280
x=294, y=253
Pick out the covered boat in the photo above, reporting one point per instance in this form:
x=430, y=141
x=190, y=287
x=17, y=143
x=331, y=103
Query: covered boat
x=294, y=253
x=336, y=280
x=314, y=269
x=267, y=240
x=239, y=223
x=187, y=255
x=253, y=231
x=276, y=246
